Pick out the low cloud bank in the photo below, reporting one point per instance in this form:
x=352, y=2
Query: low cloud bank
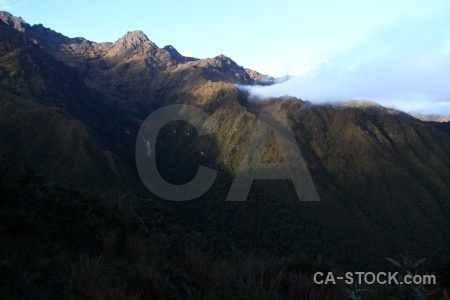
x=405, y=65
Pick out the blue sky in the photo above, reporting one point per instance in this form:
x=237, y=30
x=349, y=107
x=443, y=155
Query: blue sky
x=326, y=38
x=274, y=37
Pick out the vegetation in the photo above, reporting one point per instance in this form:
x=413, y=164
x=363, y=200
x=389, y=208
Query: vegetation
x=71, y=109
x=60, y=243
x=57, y=242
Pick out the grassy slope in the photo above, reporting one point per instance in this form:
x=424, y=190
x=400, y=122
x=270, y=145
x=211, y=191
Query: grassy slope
x=50, y=119
x=383, y=179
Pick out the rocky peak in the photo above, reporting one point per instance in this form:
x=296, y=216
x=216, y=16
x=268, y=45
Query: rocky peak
x=260, y=78
x=224, y=59
x=15, y=22
x=173, y=52
x=175, y=55
x=137, y=36
x=134, y=39
x=229, y=69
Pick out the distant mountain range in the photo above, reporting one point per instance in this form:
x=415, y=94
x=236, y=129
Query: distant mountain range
x=72, y=108
x=432, y=117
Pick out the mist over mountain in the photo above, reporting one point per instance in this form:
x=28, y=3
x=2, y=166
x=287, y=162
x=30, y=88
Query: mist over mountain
x=70, y=113
x=405, y=65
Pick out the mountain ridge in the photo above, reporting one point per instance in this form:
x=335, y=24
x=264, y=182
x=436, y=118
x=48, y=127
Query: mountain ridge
x=385, y=175
x=83, y=49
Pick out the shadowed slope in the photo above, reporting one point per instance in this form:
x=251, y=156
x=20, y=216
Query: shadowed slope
x=383, y=176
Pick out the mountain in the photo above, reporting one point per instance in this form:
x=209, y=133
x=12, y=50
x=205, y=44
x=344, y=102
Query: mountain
x=72, y=109
x=261, y=79
x=433, y=117
x=46, y=114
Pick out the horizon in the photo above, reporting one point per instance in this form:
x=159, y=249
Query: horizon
x=323, y=44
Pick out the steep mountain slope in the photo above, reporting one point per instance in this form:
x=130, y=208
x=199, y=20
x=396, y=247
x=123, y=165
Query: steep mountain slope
x=47, y=114
x=130, y=68
x=383, y=177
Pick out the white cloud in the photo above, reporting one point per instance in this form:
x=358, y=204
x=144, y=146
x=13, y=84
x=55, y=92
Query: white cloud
x=185, y=53
x=405, y=65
